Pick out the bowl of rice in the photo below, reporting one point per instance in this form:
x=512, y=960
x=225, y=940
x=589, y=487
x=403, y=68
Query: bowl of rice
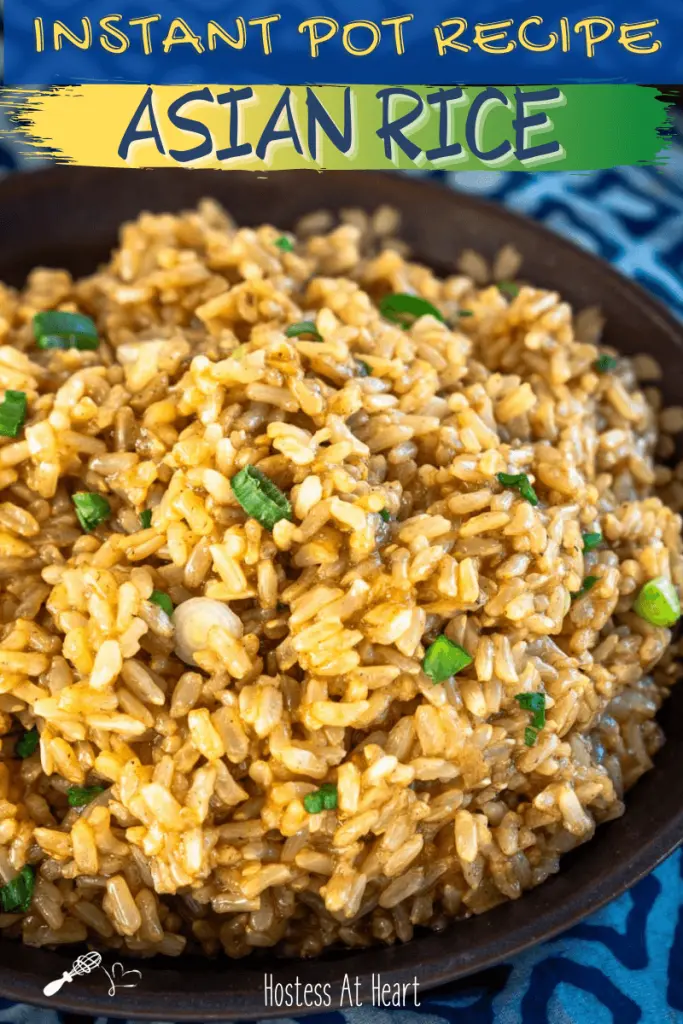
x=340, y=563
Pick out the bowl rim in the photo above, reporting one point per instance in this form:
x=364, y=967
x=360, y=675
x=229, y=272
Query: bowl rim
x=20, y=984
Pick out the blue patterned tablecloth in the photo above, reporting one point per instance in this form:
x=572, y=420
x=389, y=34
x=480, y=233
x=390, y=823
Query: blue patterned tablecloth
x=625, y=964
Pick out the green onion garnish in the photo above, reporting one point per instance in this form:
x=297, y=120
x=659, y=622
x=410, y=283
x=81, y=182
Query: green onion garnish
x=284, y=244
x=530, y=736
x=658, y=602
x=520, y=482
x=509, y=288
x=591, y=540
x=587, y=585
x=163, y=601
x=146, y=518
x=65, y=330
x=12, y=413
x=533, y=702
x=363, y=369
x=81, y=796
x=385, y=515
x=91, y=509
x=604, y=364
x=303, y=327
x=404, y=309
x=324, y=799
x=18, y=894
x=260, y=498
x=465, y=312
x=28, y=744
x=443, y=659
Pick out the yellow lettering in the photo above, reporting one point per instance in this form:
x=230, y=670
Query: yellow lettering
x=265, y=24
x=314, y=40
x=398, y=24
x=40, y=34
x=592, y=39
x=144, y=24
x=215, y=31
x=526, y=42
x=356, y=51
x=106, y=24
x=179, y=25
x=61, y=31
x=444, y=43
x=566, y=35
x=631, y=34
x=487, y=33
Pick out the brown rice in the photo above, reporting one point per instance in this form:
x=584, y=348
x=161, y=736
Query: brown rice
x=201, y=838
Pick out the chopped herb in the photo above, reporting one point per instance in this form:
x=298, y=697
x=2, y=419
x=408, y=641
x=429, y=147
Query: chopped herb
x=91, y=509
x=404, y=309
x=260, y=497
x=163, y=601
x=81, y=796
x=284, y=244
x=520, y=482
x=509, y=288
x=533, y=702
x=587, y=585
x=604, y=364
x=28, y=744
x=465, y=312
x=363, y=369
x=56, y=329
x=303, y=327
x=443, y=659
x=323, y=799
x=591, y=540
x=386, y=515
x=12, y=413
x=18, y=894
x=146, y=518
x=658, y=602
x=530, y=736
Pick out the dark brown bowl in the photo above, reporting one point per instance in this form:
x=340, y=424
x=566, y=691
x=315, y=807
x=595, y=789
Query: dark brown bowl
x=69, y=218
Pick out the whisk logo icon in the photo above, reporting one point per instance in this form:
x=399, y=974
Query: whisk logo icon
x=118, y=976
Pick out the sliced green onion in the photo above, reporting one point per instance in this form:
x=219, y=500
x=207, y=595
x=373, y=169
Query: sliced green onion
x=163, y=601
x=28, y=744
x=12, y=413
x=81, y=796
x=18, y=894
x=465, y=312
x=604, y=363
x=404, y=309
x=323, y=799
x=520, y=482
x=146, y=518
x=260, y=498
x=591, y=540
x=284, y=244
x=363, y=369
x=385, y=514
x=509, y=288
x=587, y=585
x=443, y=659
x=530, y=736
x=303, y=327
x=91, y=509
x=658, y=602
x=65, y=330
x=533, y=702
